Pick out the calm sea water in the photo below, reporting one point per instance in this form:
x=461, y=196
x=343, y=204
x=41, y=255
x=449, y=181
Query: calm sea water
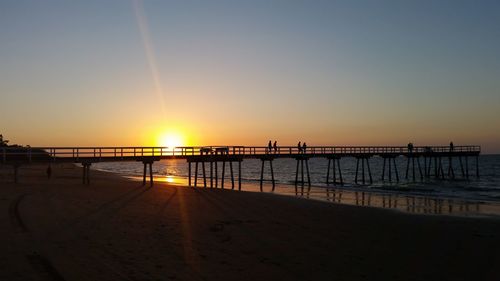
x=484, y=188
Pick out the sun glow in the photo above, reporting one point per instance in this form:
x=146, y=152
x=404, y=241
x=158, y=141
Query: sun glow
x=171, y=140
x=171, y=136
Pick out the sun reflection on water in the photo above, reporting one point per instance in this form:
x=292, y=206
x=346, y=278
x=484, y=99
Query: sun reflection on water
x=169, y=179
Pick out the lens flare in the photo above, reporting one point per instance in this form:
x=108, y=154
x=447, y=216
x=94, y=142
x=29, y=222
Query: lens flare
x=150, y=52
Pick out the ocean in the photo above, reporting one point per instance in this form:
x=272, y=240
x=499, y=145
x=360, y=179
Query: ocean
x=482, y=193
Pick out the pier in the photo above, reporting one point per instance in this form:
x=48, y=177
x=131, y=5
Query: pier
x=421, y=162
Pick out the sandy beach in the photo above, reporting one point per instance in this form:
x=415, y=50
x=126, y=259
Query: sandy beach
x=115, y=229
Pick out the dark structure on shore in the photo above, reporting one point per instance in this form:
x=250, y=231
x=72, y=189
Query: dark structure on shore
x=422, y=162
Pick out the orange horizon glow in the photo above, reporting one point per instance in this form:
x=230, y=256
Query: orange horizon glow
x=184, y=135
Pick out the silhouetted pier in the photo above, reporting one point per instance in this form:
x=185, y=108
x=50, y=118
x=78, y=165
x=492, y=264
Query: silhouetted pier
x=422, y=162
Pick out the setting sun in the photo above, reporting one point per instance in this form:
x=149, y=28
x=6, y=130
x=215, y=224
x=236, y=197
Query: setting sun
x=171, y=140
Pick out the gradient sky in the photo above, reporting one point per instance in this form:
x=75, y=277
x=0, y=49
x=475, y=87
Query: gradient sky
x=108, y=73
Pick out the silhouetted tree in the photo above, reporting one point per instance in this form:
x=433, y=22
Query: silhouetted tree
x=2, y=141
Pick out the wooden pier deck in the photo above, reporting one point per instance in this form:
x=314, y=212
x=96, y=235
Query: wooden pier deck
x=432, y=157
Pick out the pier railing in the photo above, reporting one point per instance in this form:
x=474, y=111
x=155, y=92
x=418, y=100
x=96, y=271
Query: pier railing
x=77, y=154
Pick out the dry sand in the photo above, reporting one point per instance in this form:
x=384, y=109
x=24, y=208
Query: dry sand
x=115, y=229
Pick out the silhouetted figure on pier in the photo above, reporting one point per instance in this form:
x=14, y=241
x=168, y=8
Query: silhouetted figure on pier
x=270, y=147
x=410, y=147
x=275, y=146
x=452, y=147
x=299, y=147
x=304, y=147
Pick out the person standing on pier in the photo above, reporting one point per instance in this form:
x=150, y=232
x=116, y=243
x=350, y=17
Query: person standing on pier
x=304, y=147
x=299, y=147
x=410, y=147
x=269, y=147
x=452, y=147
x=275, y=146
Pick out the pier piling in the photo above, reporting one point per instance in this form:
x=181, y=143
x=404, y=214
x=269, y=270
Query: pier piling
x=333, y=163
x=144, y=175
x=461, y=166
x=263, y=160
x=411, y=157
x=86, y=172
x=189, y=173
x=211, y=174
x=302, y=159
x=391, y=159
x=364, y=159
x=451, y=171
x=239, y=175
x=477, y=166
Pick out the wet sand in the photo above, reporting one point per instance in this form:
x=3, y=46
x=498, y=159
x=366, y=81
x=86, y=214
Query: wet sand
x=397, y=199
x=115, y=229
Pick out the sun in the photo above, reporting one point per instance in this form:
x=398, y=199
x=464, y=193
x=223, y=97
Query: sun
x=171, y=140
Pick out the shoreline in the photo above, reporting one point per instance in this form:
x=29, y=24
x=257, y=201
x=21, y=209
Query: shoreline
x=115, y=229
x=385, y=199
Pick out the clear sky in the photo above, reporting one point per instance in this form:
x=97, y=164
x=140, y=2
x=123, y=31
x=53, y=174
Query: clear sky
x=232, y=72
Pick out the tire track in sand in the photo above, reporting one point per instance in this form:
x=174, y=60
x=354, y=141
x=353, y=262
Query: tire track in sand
x=15, y=218
x=42, y=265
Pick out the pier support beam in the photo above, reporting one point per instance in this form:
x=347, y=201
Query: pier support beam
x=263, y=160
x=232, y=174
x=212, y=174
x=86, y=173
x=451, y=172
x=391, y=160
x=239, y=175
x=213, y=161
x=189, y=173
x=434, y=162
x=223, y=173
x=477, y=166
x=466, y=167
x=428, y=165
x=332, y=162
x=461, y=166
x=196, y=174
x=216, y=175
x=205, y=174
x=144, y=175
x=300, y=162
x=411, y=162
x=364, y=159
x=439, y=166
